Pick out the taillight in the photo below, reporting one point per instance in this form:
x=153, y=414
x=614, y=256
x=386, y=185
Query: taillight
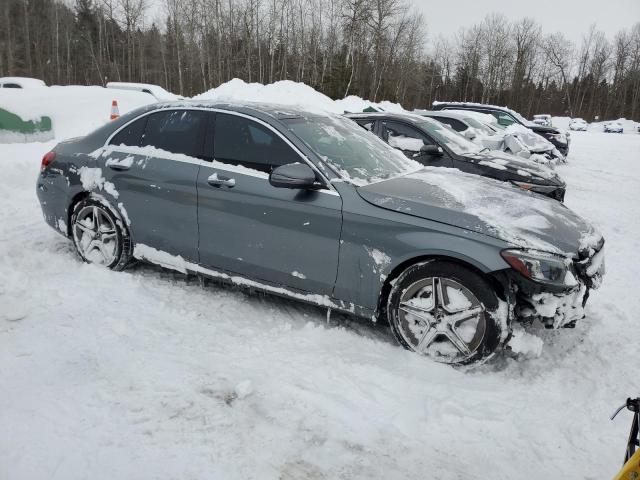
x=46, y=160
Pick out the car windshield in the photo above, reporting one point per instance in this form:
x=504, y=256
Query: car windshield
x=354, y=153
x=448, y=137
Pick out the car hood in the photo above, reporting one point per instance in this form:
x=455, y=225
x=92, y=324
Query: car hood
x=525, y=170
x=485, y=206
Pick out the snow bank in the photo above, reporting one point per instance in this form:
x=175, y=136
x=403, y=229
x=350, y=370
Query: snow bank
x=74, y=110
x=287, y=92
x=284, y=92
x=354, y=104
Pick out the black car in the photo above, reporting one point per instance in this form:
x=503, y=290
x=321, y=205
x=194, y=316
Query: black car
x=434, y=144
x=506, y=117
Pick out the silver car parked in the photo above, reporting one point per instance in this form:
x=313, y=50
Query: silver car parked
x=313, y=207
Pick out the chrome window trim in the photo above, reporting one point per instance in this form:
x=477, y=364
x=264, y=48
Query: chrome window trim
x=330, y=188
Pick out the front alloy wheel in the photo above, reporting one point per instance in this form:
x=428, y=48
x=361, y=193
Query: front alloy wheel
x=445, y=312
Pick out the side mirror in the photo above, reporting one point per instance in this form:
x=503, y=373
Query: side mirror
x=433, y=150
x=468, y=134
x=293, y=175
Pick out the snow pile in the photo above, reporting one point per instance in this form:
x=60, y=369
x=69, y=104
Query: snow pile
x=74, y=110
x=284, y=92
x=354, y=104
x=287, y=92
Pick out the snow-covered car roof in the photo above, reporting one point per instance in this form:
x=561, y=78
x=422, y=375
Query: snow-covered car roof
x=484, y=105
x=155, y=90
x=24, y=82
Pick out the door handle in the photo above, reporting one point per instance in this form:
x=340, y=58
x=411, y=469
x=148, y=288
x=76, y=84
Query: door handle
x=216, y=180
x=119, y=166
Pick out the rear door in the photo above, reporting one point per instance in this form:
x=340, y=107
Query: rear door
x=153, y=166
x=280, y=236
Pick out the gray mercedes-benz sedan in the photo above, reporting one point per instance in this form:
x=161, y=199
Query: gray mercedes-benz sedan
x=311, y=206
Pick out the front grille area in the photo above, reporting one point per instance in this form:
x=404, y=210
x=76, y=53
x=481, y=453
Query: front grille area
x=590, y=265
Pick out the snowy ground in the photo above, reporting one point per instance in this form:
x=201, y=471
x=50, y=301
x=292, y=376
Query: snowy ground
x=145, y=374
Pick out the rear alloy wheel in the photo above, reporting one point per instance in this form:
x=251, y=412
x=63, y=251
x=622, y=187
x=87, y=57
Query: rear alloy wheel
x=98, y=235
x=445, y=312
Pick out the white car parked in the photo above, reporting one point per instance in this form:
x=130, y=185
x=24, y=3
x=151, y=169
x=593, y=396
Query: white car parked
x=578, y=124
x=613, y=127
x=21, y=82
x=156, y=91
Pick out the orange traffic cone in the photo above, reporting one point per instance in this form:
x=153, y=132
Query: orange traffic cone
x=115, y=113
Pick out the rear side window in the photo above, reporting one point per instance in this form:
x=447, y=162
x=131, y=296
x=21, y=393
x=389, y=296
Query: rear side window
x=176, y=131
x=241, y=141
x=131, y=135
x=11, y=85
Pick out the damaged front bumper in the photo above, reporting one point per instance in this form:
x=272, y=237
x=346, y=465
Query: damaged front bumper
x=559, y=307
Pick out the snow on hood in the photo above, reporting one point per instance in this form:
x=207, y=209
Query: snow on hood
x=533, y=141
x=487, y=206
x=506, y=161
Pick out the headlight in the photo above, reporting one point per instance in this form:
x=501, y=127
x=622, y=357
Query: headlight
x=534, y=187
x=541, y=267
x=558, y=137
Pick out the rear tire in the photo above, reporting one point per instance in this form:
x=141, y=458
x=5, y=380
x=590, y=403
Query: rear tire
x=461, y=324
x=99, y=235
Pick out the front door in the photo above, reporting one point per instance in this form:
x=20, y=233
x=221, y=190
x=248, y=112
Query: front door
x=284, y=237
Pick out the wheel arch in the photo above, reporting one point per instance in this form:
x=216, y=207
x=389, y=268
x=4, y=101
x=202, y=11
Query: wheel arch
x=82, y=195
x=402, y=266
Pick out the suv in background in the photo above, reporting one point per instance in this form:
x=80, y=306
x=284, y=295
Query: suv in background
x=433, y=144
x=506, y=117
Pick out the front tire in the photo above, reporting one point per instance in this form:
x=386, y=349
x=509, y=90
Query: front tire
x=99, y=235
x=446, y=312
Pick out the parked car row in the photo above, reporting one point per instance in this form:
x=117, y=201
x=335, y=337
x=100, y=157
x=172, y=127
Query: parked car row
x=506, y=117
x=485, y=131
x=433, y=144
x=317, y=208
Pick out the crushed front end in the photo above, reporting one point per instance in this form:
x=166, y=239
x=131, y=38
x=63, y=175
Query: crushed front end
x=551, y=293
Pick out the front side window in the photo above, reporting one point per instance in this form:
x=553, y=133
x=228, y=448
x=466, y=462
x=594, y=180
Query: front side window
x=457, y=125
x=241, y=141
x=351, y=152
x=366, y=123
x=176, y=131
x=403, y=137
x=446, y=136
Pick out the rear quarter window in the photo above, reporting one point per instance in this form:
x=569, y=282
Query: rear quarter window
x=131, y=135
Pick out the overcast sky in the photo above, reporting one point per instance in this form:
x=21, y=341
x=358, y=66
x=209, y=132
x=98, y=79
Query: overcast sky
x=572, y=17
